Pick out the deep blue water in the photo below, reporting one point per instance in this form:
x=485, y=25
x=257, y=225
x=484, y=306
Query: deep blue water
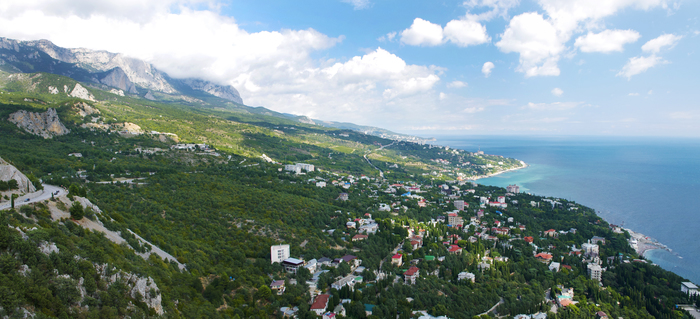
x=650, y=184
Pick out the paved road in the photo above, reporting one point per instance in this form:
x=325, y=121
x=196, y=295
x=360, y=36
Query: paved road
x=35, y=197
x=381, y=173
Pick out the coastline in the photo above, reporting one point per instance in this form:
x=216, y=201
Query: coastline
x=474, y=178
x=642, y=243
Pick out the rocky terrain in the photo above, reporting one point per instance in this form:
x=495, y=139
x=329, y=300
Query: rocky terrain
x=8, y=172
x=46, y=125
x=112, y=69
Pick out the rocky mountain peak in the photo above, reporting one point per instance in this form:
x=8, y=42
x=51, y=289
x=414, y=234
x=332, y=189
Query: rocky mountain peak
x=8, y=172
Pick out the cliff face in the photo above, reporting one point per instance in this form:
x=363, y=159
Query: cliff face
x=46, y=125
x=111, y=69
x=8, y=172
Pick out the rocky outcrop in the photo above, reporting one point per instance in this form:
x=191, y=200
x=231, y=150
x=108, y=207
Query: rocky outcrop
x=46, y=125
x=8, y=172
x=85, y=109
x=117, y=78
x=225, y=92
x=82, y=93
x=145, y=287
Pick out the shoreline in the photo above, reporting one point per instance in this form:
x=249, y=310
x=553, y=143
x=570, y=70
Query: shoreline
x=642, y=243
x=478, y=177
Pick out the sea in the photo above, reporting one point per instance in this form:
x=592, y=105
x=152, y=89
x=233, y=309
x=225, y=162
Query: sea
x=649, y=185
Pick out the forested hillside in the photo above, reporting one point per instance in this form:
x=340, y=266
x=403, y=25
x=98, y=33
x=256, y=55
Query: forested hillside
x=205, y=195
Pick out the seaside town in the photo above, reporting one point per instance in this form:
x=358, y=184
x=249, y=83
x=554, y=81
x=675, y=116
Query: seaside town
x=457, y=232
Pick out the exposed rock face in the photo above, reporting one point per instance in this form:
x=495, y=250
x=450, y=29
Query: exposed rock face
x=117, y=78
x=146, y=287
x=46, y=125
x=8, y=172
x=128, y=127
x=82, y=93
x=47, y=248
x=53, y=90
x=149, y=96
x=85, y=109
x=225, y=92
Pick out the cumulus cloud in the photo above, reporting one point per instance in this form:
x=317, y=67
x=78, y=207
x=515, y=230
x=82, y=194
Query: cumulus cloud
x=466, y=32
x=422, y=32
x=667, y=40
x=358, y=4
x=606, y=41
x=463, y=33
x=557, y=92
x=541, y=41
x=272, y=68
x=637, y=65
x=633, y=94
x=456, y=84
x=537, y=41
x=486, y=69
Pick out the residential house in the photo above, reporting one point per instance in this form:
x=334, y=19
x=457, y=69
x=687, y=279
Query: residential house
x=339, y=310
x=411, y=275
x=596, y=240
x=544, y=257
x=554, y=266
x=352, y=225
x=321, y=184
x=551, y=233
x=466, y=276
x=278, y=286
x=397, y=260
x=459, y=204
x=292, y=264
x=320, y=304
x=311, y=265
x=343, y=196
x=368, y=309
x=359, y=237
x=348, y=280
x=528, y=239
x=601, y=315
x=454, y=249
x=329, y=315
x=324, y=261
x=591, y=250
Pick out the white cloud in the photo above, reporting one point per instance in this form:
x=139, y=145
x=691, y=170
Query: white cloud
x=633, y=94
x=667, y=40
x=442, y=96
x=423, y=33
x=474, y=109
x=462, y=32
x=556, y=106
x=536, y=40
x=358, y=4
x=486, y=69
x=388, y=37
x=498, y=8
x=466, y=32
x=456, y=84
x=557, y=92
x=606, y=41
x=272, y=68
x=541, y=41
x=638, y=65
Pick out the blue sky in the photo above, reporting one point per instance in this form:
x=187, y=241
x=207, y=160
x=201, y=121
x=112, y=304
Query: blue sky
x=545, y=67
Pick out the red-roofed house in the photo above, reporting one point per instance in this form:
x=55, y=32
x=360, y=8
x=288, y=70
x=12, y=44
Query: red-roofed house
x=544, y=257
x=411, y=275
x=320, y=304
x=415, y=244
x=550, y=233
x=454, y=249
x=397, y=260
x=529, y=239
x=522, y=227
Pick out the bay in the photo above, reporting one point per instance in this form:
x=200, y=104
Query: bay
x=651, y=185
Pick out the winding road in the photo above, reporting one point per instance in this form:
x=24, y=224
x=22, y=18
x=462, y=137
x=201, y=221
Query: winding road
x=35, y=197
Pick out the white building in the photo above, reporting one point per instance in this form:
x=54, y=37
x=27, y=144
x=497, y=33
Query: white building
x=292, y=168
x=595, y=271
x=589, y=249
x=466, y=276
x=306, y=167
x=459, y=204
x=513, y=189
x=321, y=184
x=279, y=253
x=689, y=288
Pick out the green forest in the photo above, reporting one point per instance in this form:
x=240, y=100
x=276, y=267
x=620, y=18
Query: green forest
x=218, y=214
